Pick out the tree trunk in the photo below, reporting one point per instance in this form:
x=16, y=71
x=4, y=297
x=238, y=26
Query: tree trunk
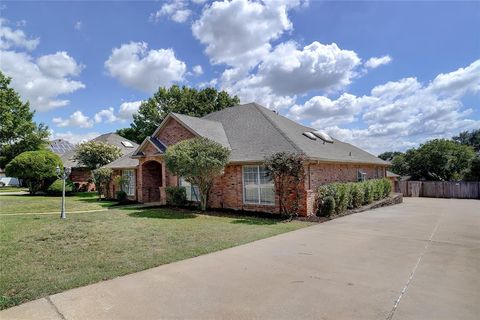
x=203, y=201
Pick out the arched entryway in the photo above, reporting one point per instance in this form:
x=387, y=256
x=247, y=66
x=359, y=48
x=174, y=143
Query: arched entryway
x=151, y=181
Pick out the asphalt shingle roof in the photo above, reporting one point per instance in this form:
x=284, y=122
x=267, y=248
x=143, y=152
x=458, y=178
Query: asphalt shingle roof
x=255, y=132
x=109, y=138
x=212, y=130
x=123, y=162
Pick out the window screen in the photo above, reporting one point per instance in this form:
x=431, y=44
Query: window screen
x=258, y=187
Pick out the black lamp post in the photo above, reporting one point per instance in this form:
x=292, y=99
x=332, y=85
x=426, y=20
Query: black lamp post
x=63, y=175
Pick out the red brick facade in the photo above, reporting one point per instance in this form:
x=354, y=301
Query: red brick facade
x=227, y=191
x=80, y=178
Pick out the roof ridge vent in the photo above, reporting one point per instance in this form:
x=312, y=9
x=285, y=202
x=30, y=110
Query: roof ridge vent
x=322, y=135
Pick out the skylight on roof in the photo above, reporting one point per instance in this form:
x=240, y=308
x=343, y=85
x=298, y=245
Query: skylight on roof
x=322, y=135
x=127, y=144
x=309, y=135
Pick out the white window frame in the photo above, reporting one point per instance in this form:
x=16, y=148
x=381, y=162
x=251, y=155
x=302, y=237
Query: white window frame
x=130, y=185
x=193, y=189
x=259, y=202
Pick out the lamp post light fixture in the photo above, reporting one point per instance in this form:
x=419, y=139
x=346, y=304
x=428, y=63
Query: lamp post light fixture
x=63, y=175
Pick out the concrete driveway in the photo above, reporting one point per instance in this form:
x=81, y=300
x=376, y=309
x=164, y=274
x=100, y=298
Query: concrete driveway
x=416, y=260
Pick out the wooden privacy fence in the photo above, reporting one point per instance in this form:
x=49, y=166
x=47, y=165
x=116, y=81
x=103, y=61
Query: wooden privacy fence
x=440, y=189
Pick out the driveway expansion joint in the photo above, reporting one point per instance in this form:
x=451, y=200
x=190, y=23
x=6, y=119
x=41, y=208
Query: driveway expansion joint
x=55, y=308
x=412, y=274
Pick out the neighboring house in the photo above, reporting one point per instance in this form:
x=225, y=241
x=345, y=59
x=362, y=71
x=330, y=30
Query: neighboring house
x=252, y=132
x=60, y=146
x=394, y=178
x=82, y=176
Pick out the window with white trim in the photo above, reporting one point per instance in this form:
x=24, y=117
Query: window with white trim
x=128, y=184
x=191, y=191
x=258, y=187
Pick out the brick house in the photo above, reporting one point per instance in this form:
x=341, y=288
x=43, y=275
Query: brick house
x=81, y=176
x=251, y=132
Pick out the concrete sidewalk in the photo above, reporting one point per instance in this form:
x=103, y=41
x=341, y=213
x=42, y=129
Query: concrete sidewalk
x=355, y=267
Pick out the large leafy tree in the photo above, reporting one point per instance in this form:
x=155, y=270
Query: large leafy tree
x=35, y=168
x=198, y=161
x=184, y=100
x=469, y=138
x=18, y=131
x=440, y=159
x=93, y=154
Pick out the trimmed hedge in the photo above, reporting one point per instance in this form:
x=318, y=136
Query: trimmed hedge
x=336, y=198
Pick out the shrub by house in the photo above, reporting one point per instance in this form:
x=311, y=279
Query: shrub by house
x=336, y=198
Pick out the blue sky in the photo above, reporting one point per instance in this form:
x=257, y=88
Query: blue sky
x=382, y=75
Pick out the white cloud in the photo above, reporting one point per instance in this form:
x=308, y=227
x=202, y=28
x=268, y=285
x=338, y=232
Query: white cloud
x=458, y=82
x=76, y=119
x=376, y=62
x=198, y=70
x=59, y=65
x=398, y=114
x=10, y=38
x=176, y=10
x=136, y=66
x=128, y=109
x=289, y=70
x=78, y=25
x=321, y=111
x=105, y=115
x=40, y=81
x=39, y=84
x=238, y=32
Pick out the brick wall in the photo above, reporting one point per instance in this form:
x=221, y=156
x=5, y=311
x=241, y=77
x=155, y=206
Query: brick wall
x=80, y=178
x=227, y=191
x=317, y=174
x=174, y=132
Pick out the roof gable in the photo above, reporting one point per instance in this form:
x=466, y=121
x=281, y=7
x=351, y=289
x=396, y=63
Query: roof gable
x=199, y=127
x=148, y=144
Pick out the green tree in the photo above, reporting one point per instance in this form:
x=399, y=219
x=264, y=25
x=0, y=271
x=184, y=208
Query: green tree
x=18, y=131
x=101, y=179
x=469, y=138
x=389, y=155
x=400, y=165
x=35, y=168
x=184, y=100
x=440, y=159
x=198, y=161
x=93, y=154
x=473, y=173
x=286, y=171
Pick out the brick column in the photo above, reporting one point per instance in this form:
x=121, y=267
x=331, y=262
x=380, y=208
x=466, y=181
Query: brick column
x=163, y=193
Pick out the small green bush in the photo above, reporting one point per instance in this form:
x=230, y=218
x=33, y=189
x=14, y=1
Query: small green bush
x=377, y=189
x=176, y=196
x=121, y=196
x=357, y=195
x=55, y=189
x=368, y=192
x=327, y=207
x=387, y=187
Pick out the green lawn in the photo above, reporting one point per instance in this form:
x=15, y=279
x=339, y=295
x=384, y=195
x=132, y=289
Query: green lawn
x=42, y=255
x=40, y=204
x=12, y=189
